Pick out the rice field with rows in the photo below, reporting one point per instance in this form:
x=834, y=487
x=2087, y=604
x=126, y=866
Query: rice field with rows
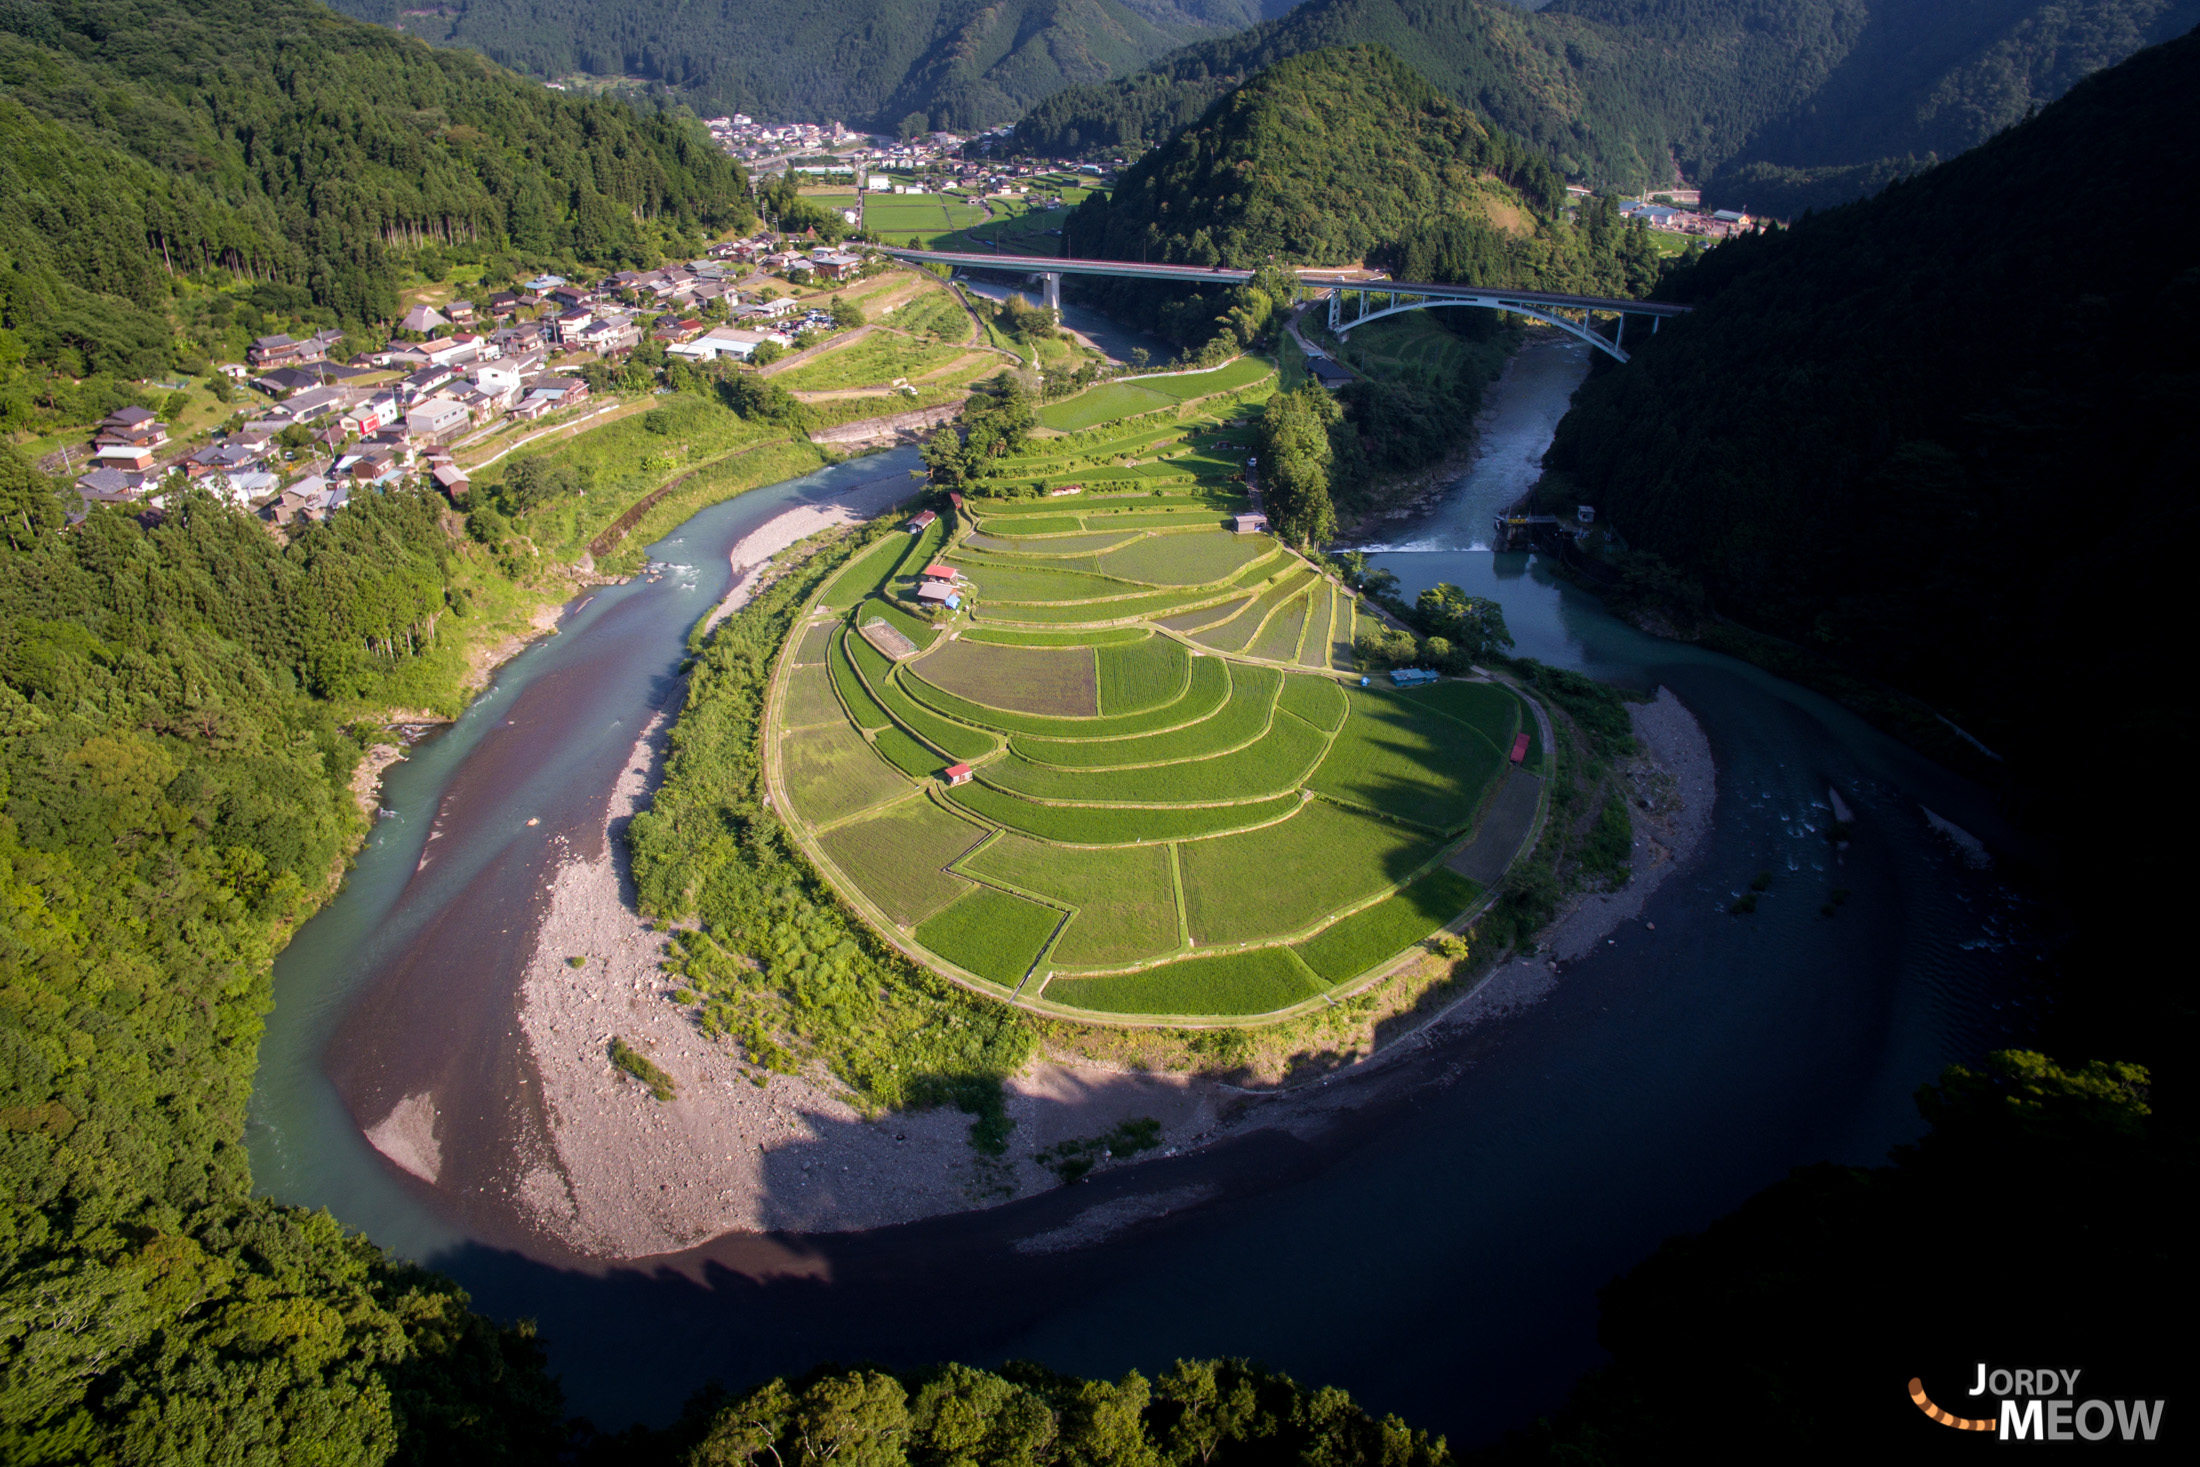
x=1133, y=774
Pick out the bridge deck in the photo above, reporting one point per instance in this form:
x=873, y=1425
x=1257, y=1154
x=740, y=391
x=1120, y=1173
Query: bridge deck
x=1311, y=275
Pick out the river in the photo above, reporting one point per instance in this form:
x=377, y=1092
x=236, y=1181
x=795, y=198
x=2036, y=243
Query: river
x=1435, y=1248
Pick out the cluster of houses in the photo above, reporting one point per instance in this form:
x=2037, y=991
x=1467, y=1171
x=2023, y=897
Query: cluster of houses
x=1681, y=219
x=744, y=137
x=387, y=415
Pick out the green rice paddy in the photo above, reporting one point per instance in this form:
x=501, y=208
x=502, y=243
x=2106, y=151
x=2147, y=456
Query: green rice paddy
x=1175, y=807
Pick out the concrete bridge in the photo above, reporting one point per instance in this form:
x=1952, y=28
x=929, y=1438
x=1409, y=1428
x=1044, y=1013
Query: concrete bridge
x=1574, y=314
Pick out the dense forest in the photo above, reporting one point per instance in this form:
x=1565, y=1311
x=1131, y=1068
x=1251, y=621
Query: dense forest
x=1946, y=438
x=1774, y=104
x=149, y=144
x=959, y=64
x=175, y=787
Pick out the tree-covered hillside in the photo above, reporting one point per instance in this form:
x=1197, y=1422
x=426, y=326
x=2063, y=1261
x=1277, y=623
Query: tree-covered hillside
x=1947, y=436
x=1346, y=155
x=1779, y=104
x=961, y=64
x=174, y=787
x=143, y=142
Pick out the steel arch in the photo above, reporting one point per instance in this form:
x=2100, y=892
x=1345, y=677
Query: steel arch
x=1578, y=329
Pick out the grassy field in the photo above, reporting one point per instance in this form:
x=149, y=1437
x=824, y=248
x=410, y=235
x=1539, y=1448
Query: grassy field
x=1314, y=651
x=927, y=218
x=832, y=773
x=1102, y=404
x=1349, y=947
x=810, y=699
x=1111, y=401
x=935, y=313
x=1048, y=546
x=1278, y=639
x=1002, y=581
x=1409, y=761
x=863, y=709
x=1231, y=636
x=1210, y=685
x=1238, y=722
x=1318, y=700
x=1490, y=710
x=1191, y=559
x=1118, y=825
x=1277, y=761
x=864, y=576
x=1101, y=637
x=991, y=934
x=958, y=740
x=1058, y=682
x=1161, y=775
x=898, y=858
x=1123, y=896
x=1136, y=677
x=870, y=361
x=1255, y=982
x=1282, y=878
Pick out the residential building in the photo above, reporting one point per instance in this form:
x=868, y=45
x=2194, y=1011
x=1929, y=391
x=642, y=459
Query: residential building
x=423, y=321
x=435, y=417
x=727, y=341
x=283, y=351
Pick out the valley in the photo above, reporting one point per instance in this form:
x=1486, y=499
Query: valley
x=643, y=752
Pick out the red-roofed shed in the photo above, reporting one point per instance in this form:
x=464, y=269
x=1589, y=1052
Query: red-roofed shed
x=958, y=774
x=937, y=572
x=1520, y=748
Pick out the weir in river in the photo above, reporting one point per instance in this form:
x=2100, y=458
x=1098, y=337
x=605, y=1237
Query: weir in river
x=1434, y=1247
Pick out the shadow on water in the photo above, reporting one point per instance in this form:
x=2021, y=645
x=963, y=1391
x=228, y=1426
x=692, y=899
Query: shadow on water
x=1431, y=1238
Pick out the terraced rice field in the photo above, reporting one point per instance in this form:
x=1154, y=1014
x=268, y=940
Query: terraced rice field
x=1175, y=807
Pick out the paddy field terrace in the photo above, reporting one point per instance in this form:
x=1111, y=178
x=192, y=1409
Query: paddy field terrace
x=1131, y=776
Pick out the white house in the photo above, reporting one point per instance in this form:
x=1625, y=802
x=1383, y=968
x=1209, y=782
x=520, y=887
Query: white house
x=435, y=417
x=726, y=341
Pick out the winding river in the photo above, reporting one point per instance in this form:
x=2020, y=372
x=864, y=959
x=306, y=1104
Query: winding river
x=1433, y=1243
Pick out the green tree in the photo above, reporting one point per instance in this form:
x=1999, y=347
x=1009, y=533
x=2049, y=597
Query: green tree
x=1474, y=625
x=1294, y=464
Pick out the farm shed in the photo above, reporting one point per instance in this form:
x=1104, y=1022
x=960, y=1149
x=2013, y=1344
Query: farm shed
x=921, y=523
x=957, y=774
x=1249, y=524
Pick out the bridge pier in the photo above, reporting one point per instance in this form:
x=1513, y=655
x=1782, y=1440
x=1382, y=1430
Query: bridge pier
x=1053, y=301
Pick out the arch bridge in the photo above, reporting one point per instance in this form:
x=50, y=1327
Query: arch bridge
x=1577, y=315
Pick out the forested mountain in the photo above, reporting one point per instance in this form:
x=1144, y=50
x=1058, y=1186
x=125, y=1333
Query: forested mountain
x=1344, y=155
x=1778, y=104
x=962, y=64
x=143, y=142
x=1948, y=436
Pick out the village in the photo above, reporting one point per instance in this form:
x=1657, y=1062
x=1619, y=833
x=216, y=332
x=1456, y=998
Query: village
x=458, y=376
